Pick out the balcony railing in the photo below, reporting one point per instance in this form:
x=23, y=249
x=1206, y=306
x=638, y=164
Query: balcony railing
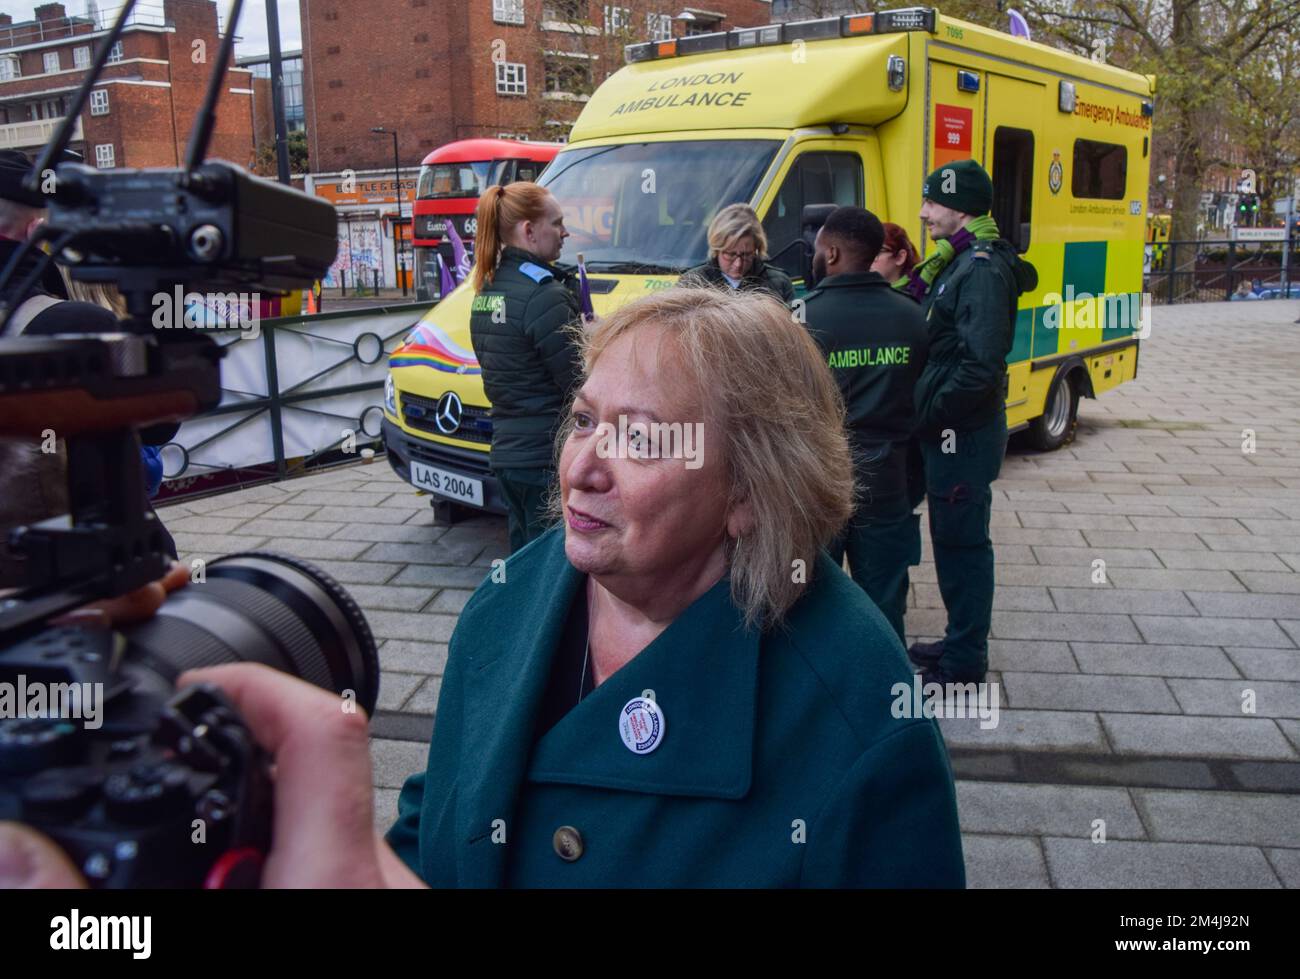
x=25, y=135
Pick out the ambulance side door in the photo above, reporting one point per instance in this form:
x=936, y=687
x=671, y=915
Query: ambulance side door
x=1017, y=160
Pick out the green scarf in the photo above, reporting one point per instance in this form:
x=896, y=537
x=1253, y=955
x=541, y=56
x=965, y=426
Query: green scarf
x=918, y=281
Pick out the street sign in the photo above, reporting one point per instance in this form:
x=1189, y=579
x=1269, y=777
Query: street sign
x=1259, y=234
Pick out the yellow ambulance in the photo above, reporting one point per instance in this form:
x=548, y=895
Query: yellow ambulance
x=855, y=109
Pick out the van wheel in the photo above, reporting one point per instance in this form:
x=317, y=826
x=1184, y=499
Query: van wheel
x=1056, y=426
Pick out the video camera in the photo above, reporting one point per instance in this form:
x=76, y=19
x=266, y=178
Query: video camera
x=144, y=786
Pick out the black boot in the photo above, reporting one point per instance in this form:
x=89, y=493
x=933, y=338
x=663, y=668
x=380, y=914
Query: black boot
x=926, y=655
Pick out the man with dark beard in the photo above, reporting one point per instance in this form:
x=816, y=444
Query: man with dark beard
x=875, y=343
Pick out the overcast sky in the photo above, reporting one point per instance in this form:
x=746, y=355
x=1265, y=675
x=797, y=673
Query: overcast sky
x=252, y=21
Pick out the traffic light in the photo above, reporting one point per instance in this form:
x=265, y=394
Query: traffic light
x=1248, y=210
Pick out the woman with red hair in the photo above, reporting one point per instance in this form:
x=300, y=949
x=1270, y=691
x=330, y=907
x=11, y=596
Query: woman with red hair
x=897, y=255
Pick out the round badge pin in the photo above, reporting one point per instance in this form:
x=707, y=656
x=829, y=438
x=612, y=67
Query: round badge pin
x=641, y=725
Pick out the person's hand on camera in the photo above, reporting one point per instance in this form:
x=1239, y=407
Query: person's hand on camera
x=323, y=833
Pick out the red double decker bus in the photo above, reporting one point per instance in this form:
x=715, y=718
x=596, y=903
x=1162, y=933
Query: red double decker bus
x=452, y=178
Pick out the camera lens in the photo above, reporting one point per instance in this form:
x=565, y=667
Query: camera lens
x=266, y=608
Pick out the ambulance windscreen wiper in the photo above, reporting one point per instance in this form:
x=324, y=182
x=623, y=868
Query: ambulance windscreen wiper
x=634, y=268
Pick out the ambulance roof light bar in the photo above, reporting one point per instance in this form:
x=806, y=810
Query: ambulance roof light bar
x=848, y=25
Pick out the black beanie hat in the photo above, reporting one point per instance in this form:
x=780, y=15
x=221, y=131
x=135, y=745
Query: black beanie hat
x=962, y=185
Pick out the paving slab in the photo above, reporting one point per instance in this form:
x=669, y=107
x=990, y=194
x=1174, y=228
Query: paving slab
x=1125, y=864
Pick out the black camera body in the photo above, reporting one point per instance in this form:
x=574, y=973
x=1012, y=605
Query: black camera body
x=155, y=789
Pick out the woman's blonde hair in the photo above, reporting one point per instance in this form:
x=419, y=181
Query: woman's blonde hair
x=499, y=209
x=99, y=293
x=766, y=390
x=736, y=221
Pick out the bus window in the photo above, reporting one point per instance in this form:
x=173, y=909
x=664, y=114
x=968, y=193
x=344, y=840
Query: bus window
x=528, y=169
x=815, y=178
x=453, y=180
x=1100, y=170
x=1013, y=184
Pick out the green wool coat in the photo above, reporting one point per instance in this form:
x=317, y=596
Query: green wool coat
x=781, y=764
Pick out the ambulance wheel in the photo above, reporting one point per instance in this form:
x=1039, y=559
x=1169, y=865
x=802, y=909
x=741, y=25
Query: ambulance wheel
x=1055, y=427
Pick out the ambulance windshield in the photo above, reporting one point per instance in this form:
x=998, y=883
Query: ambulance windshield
x=647, y=206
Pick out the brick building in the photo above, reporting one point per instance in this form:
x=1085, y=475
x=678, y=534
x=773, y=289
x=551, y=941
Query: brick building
x=140, y=111
x=438, y=71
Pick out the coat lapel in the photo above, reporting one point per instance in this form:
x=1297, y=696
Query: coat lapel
x=703, y=671
x=504, y=683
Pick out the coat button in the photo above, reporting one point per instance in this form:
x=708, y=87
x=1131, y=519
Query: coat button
x=568, y=843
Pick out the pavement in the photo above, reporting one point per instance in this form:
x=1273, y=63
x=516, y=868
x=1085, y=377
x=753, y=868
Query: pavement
x=1146, y=631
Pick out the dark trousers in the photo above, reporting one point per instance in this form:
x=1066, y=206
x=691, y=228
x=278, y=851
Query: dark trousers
x=958, y=485
x=883, y=537
x=525, y=492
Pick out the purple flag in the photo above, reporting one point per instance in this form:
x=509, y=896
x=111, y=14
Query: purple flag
x=463, y=262
x=584, y=293
x=1019, y=26
x=445, y=282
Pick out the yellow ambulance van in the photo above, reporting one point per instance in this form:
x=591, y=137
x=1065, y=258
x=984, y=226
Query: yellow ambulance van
x=857, y=110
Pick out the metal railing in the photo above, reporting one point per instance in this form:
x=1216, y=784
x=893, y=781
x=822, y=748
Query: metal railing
x=280, y=414
x=1215, y=270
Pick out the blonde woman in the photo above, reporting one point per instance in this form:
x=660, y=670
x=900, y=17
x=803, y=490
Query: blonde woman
x=674, y=688
x=738, y=257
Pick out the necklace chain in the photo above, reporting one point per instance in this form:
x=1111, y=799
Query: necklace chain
x=582, y=679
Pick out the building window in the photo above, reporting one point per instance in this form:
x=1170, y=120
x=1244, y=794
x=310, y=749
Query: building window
x=512, y=78
x=508, y=11
x=104, y=156
x=99, y=102
x=115, y=53
x=567, y=76
x=51, y=61
x=564, y=11
x=617, y=19
x=9, y=68
x=703, y=25
x=81, y=57
x=659, y=27
x=1100, y=170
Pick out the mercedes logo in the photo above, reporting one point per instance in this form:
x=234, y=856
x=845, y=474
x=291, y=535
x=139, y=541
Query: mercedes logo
x=447, y=414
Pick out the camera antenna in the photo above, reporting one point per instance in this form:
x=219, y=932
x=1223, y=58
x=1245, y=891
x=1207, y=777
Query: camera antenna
x=201, y=134
x=55, y=147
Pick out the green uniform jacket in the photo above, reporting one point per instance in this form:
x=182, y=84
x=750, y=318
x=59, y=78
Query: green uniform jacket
x=764, y=278
x=875, y=341
x=971, y=312
x=781, y=764
x=530, y=363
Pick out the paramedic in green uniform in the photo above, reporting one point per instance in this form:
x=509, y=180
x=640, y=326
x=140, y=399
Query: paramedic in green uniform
x=519, y=320
x=874, y=340
x=970, y=288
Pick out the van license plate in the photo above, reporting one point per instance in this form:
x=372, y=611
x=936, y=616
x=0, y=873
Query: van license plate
x=449, y=484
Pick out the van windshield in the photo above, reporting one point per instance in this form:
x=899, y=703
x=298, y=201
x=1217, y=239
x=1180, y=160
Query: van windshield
x=648, y=205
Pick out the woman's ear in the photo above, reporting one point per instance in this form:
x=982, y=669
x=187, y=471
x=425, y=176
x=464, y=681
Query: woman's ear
x=740, y=519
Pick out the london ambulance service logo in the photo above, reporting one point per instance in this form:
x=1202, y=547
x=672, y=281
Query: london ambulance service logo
x=1055, y=173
